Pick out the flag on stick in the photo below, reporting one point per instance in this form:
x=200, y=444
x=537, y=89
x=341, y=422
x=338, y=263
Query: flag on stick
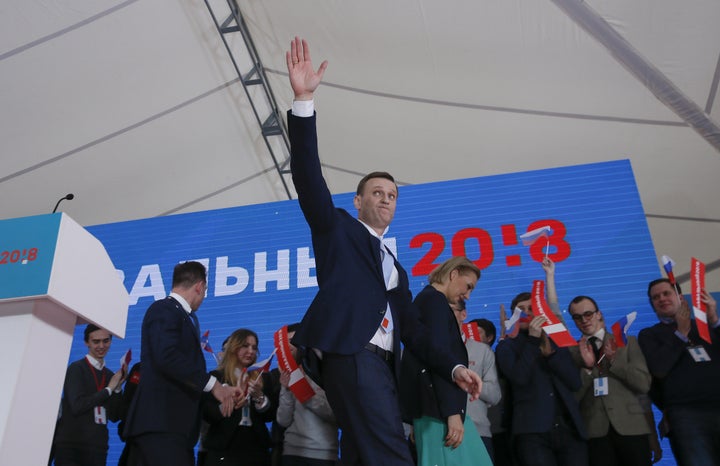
x=668, y=265
x=697, y=284
x=531, y=236
x=205, y=344
x=621, y=327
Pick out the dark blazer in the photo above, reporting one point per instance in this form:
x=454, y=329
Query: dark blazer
x=174, y=375
x=224, y=430
x=423, y=392
x=677, y=380
x=535, y=381
x=352, y=298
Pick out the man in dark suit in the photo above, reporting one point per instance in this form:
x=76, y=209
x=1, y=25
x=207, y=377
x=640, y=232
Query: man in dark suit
x=164, y=417
x=364, y=306
x=546, y=422
x=685, y=373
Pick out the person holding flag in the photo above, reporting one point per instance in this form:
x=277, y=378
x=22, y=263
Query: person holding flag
x=685, y=373
x=546, y=421
x=242, y=438
x=614, y=375
x=481, y=359
x=311, y=432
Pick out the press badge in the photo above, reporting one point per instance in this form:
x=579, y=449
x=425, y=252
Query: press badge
x=698, y=353
x=600, y=384
x=100, y=415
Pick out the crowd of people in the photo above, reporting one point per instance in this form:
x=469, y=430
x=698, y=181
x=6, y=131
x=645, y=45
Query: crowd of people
x=398, y=378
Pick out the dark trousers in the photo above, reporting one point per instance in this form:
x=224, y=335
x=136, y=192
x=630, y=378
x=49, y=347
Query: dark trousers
x=292, y=460
x=71, y=456
x=362, y=392
x=694, y=435
x=619, y=450
x=160, y=449
x=561, y=446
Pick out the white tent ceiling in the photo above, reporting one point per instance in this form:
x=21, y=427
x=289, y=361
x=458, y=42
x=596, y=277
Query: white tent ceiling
x=135, y=108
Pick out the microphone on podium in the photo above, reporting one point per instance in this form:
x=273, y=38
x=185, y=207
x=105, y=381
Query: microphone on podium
x=69, y=197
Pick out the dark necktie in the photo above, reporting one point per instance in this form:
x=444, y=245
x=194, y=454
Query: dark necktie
x=593, y=342
x=196, y=323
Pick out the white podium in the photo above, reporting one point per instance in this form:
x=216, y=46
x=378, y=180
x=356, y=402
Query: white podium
x=53, y=275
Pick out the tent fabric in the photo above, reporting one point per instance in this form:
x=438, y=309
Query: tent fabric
x=135, y=108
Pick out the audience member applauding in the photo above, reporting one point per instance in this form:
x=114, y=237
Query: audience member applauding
x=685, y=373
x=243, y=438
x=546, y=422
x=91, y=398
x=613, y=376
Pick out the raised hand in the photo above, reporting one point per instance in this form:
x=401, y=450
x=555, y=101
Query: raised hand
x=303, y=77
x=586, y=352
x=711, y=307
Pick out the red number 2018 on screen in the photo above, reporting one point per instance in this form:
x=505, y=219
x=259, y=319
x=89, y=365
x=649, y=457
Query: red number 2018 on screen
x=558, y=248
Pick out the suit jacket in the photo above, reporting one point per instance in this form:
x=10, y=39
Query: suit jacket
x=173, y=374
x=423, y=392
x=352, y=296
x=628, y=377
x=678, y=380
x=224, y=430
x=535, y=381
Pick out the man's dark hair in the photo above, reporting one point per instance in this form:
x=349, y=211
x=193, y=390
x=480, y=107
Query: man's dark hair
x=293, y=327
x=662, y=280
x=90, y=328
x=489, y=329
x=363, y=182
x=186, y=274
x=577, y=299
x=524, y=296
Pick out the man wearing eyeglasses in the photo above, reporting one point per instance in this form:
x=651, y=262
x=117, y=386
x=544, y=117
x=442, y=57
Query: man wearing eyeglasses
x=612, y=378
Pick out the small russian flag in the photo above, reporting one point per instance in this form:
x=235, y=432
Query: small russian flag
x=668, y=265
x=205, y=342
x=621, y=327
x=533, y=235
x=263, y=365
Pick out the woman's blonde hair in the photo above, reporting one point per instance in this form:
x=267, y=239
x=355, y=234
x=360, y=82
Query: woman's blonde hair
x=460, y=263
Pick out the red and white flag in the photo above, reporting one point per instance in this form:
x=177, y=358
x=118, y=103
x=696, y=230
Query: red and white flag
x=125, y=360
x=697, y=284
x=554, y=328
x=298, y=385
x=471, y=331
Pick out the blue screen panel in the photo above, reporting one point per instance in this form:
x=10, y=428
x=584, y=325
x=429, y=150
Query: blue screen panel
x=261, y=268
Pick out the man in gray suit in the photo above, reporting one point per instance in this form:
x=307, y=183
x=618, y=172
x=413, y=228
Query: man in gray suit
x=612, y=378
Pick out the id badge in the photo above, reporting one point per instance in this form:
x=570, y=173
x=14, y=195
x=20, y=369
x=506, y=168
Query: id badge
x=698, y=354
x=600, y=385
x=100, y=415
x=245, y=419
